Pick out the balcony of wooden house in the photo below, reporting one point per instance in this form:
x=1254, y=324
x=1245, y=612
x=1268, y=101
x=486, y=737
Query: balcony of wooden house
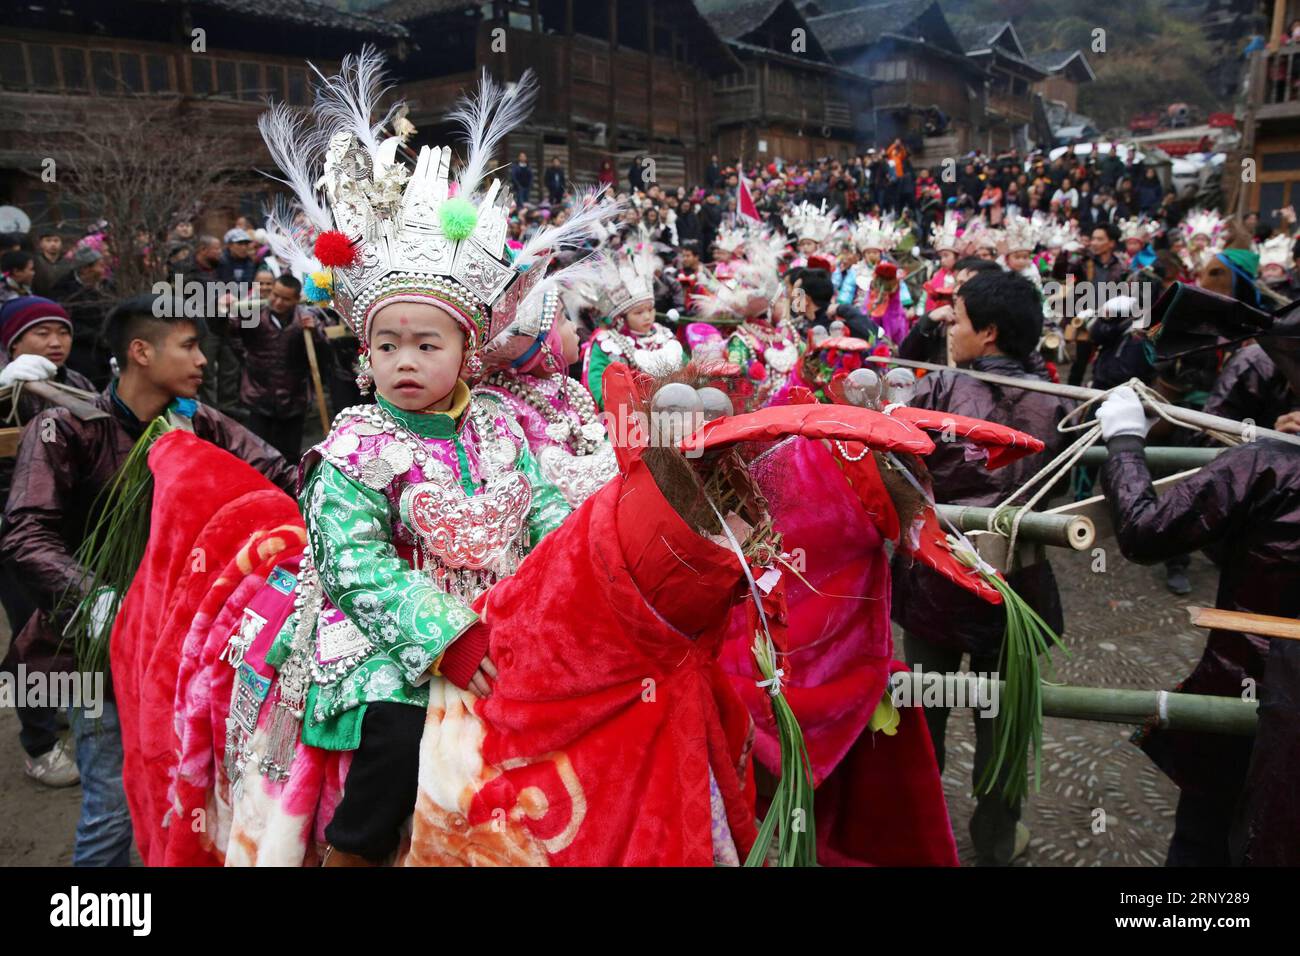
x=1273, y=91
x=53, y=83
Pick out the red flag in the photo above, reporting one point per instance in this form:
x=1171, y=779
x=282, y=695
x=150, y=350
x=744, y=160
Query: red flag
x=745, y=202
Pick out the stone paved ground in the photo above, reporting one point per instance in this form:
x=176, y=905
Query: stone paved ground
x=1123, y=629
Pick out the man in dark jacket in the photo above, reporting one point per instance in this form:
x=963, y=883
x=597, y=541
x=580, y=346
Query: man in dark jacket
x=212, y=263
x=996, y=322
x=239, y=261
x=50, y=265
x=521, y=179
x=555, y=182
x=636, y=175
x=85, y=292
x=1244, y=510
x=65, y=460
x=275, y=384
x=713, y=173
x=36, y=338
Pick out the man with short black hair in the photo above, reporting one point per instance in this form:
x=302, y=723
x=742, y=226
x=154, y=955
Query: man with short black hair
x=86, y=293
x=19, y=271
x=50, y=266
x=926, y=341
x=995, y=325
x=65, y=461
x=1102, y=267
x=275, y=383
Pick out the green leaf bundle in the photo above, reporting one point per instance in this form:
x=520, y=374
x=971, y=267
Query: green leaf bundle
x=112, y=550
x=789, y=819
x=1019, y=723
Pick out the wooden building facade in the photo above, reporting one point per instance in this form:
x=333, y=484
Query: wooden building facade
x=1010, y=119
x=923, y=84
x=203, y=63
x=791, y=100
x=619, y=79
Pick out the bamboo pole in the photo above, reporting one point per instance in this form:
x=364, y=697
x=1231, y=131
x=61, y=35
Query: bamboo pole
x=1061, y=531
x=1162, y=459
x=1187, y=416
x=1195, y=712
x=309, y=338
x=74, y=399
x=1098, y=508
x=1265, y=625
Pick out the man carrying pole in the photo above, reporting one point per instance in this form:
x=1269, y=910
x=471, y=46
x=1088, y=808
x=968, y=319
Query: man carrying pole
x=1244, y=509
x=994, y=327
x=276, y=383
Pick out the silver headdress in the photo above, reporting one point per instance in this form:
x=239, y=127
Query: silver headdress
x=620, y=280
x=390, y=234
x=751, y=289
x=528, y=340
x=806, y=221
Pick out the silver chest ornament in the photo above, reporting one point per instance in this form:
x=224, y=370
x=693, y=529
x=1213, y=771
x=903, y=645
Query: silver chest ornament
x=780, y=357
x=578, y=477
x=468, y=531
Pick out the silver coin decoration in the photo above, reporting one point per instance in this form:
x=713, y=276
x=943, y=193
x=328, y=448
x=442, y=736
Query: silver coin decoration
x=345, y=444
x=377, y=473
x=900, y=384
x=399, y=456
x=715, y=402
x=862, y=387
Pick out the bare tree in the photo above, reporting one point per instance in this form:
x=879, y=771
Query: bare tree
x=136, y=163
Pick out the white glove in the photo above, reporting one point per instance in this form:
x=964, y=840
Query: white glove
x=103, y=610
x=27, y=368
x=1122, y=414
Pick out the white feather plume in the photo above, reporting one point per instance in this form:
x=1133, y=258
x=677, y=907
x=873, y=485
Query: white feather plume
x=287, y=243
x=753, y=287
x=348, y=102
x=296, y=147
x=591, y=212
x=486, y=118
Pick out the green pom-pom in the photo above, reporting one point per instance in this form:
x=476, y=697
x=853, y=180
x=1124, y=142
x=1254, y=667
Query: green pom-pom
x=459, y=217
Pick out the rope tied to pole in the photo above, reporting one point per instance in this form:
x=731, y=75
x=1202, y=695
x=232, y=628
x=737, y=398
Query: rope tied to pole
x=1090, y=433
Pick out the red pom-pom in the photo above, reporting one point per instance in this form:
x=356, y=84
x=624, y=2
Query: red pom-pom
x=881, y=349
x=886, y=270
x=852, y=361
x=757, y=371
x=335, y=250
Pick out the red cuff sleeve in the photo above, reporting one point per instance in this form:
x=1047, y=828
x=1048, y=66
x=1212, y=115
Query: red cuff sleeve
x=461, y=660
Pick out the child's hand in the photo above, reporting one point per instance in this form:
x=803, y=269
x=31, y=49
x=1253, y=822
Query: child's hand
x=480, y=684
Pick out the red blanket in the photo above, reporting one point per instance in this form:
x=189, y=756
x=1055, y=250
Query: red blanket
x=218, y=529
x=879, y=798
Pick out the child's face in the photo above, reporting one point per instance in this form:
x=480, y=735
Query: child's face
x=947, y=259
x=641, y=318
x=1019, y=259
x=416, y=354
x=570, y=345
